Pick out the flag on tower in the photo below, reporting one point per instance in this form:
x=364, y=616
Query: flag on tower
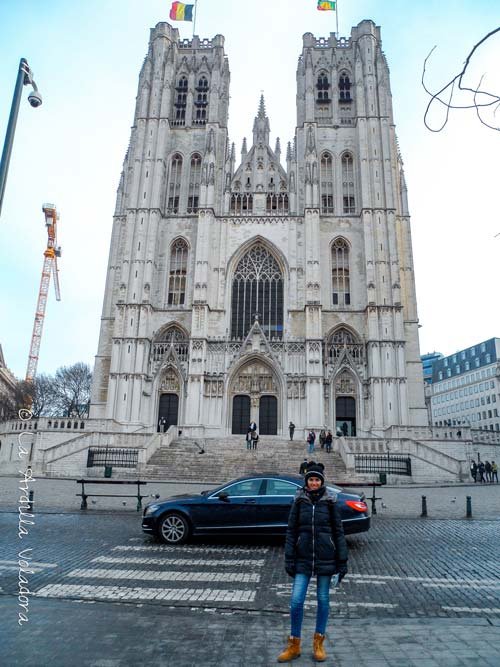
x=326, y=6
x=181, y=12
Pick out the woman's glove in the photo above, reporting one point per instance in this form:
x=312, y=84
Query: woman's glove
x=341, y=569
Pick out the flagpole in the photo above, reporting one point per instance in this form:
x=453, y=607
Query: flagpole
x=195, y=13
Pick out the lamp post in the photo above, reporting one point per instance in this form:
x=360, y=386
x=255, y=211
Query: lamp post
x=24, y=77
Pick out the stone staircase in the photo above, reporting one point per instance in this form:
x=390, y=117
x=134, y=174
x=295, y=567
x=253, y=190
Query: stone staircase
x=227, y=458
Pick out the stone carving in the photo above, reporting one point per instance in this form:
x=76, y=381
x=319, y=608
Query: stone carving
x=344, y=384
x=255, y=378
x=170, y=381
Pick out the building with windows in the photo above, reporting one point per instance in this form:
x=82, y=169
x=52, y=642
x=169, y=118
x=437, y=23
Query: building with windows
x=465, y=388
x=427, y=361
x=272, y=287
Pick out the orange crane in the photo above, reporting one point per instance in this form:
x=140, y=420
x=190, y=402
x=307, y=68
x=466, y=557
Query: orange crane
x=52, y=252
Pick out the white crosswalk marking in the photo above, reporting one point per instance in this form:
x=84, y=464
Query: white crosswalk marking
x=431, y=580
x=200, y=549
x=475, y=610
x=154, y=575
x=201, y=562
x=118, y=593
x=31, y=563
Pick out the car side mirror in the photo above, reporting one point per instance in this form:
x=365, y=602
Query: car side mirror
x=223, y=495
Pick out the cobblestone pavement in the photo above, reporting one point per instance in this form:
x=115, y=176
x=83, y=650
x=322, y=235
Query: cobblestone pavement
x=444, y=502
x=400, y=568
x=63, y=633
x=419, y=592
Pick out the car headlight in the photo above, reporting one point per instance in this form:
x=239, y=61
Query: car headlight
x=151, y=509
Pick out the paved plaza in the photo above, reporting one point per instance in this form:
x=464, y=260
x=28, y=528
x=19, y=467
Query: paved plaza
x=420, y=592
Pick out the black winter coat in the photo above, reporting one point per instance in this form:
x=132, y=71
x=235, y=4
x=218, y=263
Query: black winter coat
x=315, y=542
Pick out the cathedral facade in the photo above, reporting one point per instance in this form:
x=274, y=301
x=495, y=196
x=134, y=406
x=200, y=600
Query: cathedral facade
x=275, y=287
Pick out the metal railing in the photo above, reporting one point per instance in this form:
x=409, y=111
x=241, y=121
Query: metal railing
x=112, y=456
x=392, y=464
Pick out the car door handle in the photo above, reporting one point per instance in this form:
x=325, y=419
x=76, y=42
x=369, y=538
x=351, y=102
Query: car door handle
x=250, y=501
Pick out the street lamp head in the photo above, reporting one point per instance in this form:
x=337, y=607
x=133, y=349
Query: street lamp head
x=35, y=98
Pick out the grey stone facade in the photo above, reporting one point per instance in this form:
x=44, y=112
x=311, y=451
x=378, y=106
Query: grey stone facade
x=251, y=290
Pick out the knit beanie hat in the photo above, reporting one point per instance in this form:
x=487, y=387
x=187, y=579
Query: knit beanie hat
x=315, y=470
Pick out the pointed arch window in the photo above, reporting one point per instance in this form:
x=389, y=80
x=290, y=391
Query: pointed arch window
x=344, y=87
x=172, y=336
x=241, y=203
x=177, y=273
x=340, y=340
x=201, y=101
x=326, y=183
x=341, y=289
x=257, y=291
x=323, y=86
x=277, y=204
x=348, y=197
x=194, y=183
x=181, y=101
x=174, y=185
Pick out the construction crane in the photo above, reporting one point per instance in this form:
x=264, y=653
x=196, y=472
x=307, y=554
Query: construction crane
x=52, y=252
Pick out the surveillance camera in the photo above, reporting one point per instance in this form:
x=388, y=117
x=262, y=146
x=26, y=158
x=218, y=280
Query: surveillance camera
x=35, y=98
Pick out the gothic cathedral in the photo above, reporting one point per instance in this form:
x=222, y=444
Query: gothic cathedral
x=280, y=288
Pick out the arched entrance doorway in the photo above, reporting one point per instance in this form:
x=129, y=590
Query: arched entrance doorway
x=241, y=414
x=345, y=404
x=168, y=410
x=254, y=396
x=168, y=403
x=268, y=415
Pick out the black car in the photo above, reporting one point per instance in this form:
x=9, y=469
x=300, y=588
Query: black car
x=257, y=504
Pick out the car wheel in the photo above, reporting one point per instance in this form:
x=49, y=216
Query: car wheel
x=173, y=529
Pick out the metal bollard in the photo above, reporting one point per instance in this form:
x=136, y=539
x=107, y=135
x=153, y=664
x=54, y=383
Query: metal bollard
x=30, y=499
x=469, y=507
x=424, y=506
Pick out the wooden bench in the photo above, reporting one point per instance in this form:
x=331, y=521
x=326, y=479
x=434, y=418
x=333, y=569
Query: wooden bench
x=84, y=495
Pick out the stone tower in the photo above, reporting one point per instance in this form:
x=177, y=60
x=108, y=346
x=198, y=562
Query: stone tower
x=251, y=291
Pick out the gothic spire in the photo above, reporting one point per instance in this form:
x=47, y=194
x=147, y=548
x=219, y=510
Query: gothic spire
x=261, y=128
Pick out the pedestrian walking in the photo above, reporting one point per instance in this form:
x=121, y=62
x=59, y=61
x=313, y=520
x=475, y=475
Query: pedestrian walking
x=162, y=425
x=303, y=467
x=291, y=428
x=494, y=472
x=473, y=471
x=249, y=439
x=315, y=546
x=311, y=437
x=328, y=442
x=255, y=439
x=480, y=469
x=487, y=470
x=322, y=438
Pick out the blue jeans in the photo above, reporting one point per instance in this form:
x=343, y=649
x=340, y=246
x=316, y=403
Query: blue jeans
x=299, y=590
x=311, y=447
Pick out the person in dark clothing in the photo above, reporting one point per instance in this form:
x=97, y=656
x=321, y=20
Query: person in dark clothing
x=480, y=470
x=473, y=471
x=328, y=442
x=494, y=472
x=315, y=546
x=303, y=467
x=291, y=428
x=487, y=469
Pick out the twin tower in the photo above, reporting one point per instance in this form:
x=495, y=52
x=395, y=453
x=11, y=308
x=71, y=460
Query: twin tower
x=277, y=287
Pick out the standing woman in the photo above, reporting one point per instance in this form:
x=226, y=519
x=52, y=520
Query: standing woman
x=315, y=545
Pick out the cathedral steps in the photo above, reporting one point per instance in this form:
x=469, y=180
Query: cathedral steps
x=228, y=458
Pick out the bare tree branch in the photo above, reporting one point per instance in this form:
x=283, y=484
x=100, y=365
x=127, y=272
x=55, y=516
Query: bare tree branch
x=481, y=99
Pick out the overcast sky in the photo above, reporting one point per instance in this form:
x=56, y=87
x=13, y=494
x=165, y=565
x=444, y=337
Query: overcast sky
x=86, y=56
